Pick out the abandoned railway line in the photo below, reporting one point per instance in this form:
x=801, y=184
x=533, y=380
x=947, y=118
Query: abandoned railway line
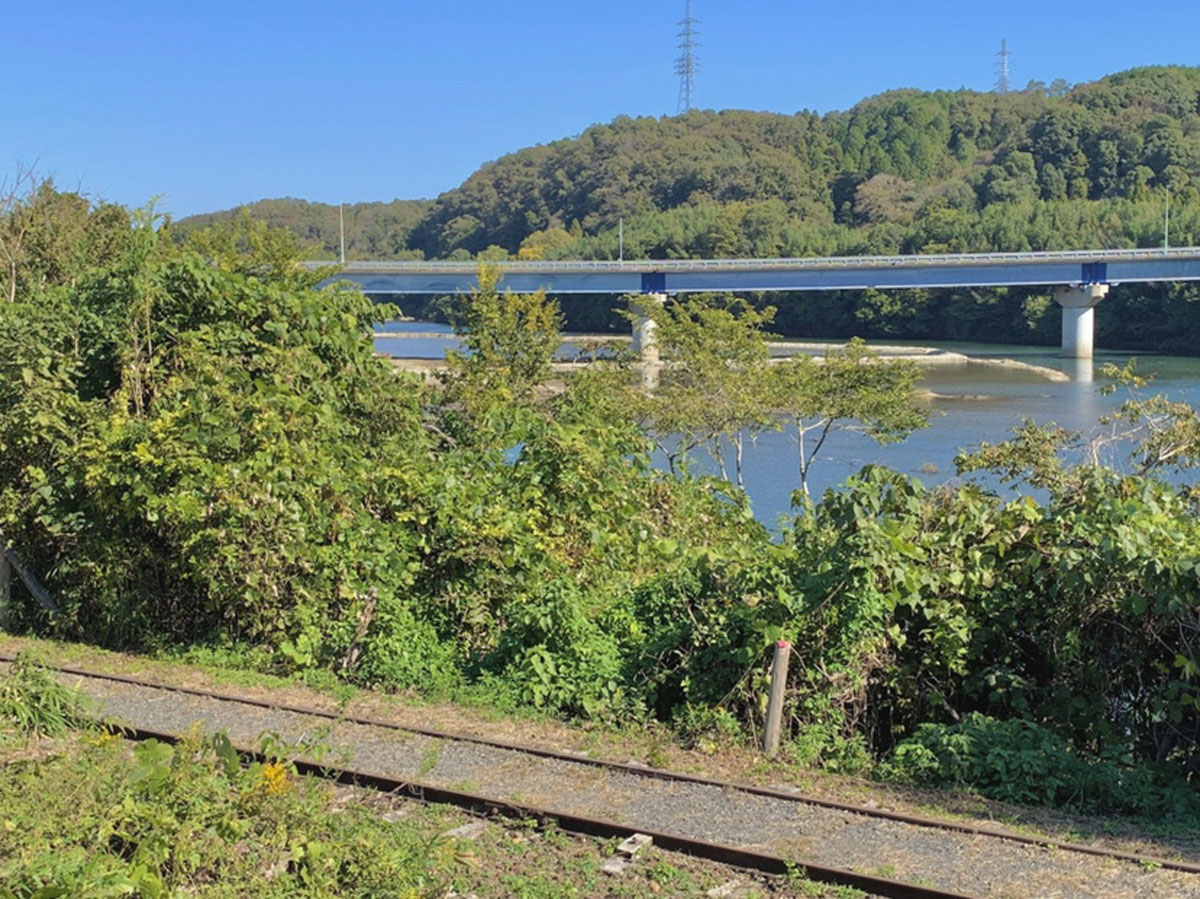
x=771, y=830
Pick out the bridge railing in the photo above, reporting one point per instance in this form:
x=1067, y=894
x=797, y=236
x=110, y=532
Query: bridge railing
x=677, y=265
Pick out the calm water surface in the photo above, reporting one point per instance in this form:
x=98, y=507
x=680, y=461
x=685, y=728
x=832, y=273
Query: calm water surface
x=971, y=403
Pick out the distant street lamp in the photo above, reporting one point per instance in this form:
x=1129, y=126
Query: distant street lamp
x=1167, y=219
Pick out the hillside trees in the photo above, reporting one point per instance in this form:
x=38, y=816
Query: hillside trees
x=793, y=176
x=1101, y=141
x=903, y=172
x=373, y=230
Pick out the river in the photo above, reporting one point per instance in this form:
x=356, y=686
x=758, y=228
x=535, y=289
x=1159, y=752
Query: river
x=968, y=403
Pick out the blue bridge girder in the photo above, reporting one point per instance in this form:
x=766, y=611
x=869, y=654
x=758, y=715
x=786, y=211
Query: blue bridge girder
x=672, y=276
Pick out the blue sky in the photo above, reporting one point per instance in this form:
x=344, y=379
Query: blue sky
x=216, y=103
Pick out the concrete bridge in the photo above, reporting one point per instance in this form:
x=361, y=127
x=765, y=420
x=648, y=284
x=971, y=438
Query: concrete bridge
x=1080, y=279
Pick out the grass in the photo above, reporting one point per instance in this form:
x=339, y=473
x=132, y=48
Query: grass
x=242, y=667
x=102, y=817
x=797, y=879
x=430, y=756
x=96, y=815
x=33, y=703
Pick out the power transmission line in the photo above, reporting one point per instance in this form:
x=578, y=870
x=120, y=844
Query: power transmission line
x=686, y=63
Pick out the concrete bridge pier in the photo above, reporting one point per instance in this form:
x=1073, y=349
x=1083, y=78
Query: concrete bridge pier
x=1078, y=303
x=645, y=340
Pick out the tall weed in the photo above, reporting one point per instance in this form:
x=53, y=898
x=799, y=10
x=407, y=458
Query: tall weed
x=35, y=704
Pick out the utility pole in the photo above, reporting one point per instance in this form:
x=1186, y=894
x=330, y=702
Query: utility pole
x=774, y=723
x=342, y=228
x=621, y=240
x=1167, y=219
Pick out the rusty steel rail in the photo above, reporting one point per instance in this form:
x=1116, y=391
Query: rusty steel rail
x=593, y=827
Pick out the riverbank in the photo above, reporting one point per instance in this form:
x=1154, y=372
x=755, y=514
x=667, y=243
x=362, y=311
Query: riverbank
x=781, y=350
x=920, y=355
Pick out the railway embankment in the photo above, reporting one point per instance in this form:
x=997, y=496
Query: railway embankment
x=727, y=797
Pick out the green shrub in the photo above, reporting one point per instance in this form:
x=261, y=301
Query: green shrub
x=823, y=746
x=556, y=654
x=702, y=725
x=1020, y=761
x=403, y=650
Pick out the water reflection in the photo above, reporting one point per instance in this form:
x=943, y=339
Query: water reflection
x=1082, y=371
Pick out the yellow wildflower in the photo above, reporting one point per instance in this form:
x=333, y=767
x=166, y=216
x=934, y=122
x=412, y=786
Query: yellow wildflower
x=274, y=779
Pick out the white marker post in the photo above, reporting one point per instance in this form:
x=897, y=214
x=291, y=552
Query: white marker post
x=779, y=671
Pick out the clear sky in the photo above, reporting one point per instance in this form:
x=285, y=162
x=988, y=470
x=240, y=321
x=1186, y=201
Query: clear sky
x=216, y=103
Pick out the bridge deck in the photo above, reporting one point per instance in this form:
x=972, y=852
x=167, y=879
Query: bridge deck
x=828, y=273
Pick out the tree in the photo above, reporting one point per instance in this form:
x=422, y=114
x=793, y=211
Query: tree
x=849, y=389
x=248, y=246
x=509, y=341
x=14, y=227
x=1167, y=431
x=544, y=244
x=1012, y=180
x=886, y=198
x=714, y=385
x=50, y=238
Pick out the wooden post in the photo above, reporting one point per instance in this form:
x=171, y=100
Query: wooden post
x=779, y=670
x=16, y=566
x=5, y=589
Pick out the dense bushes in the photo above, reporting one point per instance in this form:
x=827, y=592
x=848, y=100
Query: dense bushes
x=188, y=450
x=1019, y=761
x=198, y=447
x=1076, y=613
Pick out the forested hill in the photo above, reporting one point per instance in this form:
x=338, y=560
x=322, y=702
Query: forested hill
x=906, y=171
x=373, y=230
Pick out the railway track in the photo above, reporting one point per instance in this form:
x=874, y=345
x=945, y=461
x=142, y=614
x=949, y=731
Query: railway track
x=495, y=802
